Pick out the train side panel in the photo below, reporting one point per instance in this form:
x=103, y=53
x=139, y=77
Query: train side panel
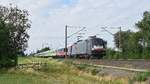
x=60, y=53
x=74, y=50
x=45, y=54
x=69, y=51
x=82, y=48
x=89, y=47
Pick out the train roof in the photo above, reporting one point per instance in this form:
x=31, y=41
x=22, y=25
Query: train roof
x=94, y=37
x=45, y=53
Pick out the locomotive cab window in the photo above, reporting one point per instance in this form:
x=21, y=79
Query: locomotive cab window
x=97, y=42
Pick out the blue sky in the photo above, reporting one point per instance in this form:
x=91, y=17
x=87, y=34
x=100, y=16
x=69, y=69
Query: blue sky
x=68, y=1
x=49, y=18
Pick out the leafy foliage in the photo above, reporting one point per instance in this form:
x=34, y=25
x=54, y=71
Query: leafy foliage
x=131, y=46
x=144, y=30
x=135, y=44
x=13, y=34
x=111, y=54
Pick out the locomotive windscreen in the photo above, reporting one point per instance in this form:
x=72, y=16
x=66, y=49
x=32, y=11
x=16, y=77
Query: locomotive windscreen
x=98, y=42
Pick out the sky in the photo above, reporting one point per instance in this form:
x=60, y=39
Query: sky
x=49, y=18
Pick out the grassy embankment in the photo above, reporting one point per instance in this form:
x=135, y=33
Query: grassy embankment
x=55, y=73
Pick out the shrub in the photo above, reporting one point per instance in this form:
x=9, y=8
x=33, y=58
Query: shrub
x=81, y=66
x=95, y=71
x=141, y=76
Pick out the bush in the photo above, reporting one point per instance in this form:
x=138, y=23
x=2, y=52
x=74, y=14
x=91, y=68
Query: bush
x=141, y=76
x=81, y=66
x=95, y=71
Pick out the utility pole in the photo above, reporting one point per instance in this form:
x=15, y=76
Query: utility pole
x=120, y=45
x=66, y=42
x=66, y=37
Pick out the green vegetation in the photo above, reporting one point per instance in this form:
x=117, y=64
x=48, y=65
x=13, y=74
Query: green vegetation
x=54, y=73
x=25, y=60
x=13, y=34
x=89, y=69
x=10, y=78
x=141, y=76
x=112, y=54
x=133, y=45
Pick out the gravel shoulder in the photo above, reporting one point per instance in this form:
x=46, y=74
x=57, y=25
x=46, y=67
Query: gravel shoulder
x=135, y=64
x=115, y=73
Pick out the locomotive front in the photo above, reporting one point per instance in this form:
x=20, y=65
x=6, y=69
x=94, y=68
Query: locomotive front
x=98, y=47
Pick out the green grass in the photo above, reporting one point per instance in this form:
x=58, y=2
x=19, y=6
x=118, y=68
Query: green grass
x=141, y=76
x=24, y=60
x=54, y=73
x=8, y=78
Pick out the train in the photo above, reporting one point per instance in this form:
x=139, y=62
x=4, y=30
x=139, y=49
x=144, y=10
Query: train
x=46, y=54
x=92, y=47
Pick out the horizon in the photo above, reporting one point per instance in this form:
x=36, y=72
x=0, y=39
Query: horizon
x=49, y=18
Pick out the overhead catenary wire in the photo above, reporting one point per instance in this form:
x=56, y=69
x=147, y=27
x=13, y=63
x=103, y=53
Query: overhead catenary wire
x=107, y=30
x=76, y=32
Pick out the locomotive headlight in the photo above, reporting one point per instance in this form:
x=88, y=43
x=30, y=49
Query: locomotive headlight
x=96, y=47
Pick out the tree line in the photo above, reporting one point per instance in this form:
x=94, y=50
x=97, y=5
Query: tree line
x=14, y=24
x=133, y=45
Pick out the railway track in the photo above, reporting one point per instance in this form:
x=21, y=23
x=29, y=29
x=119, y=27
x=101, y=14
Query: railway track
x=128, y=65
x=117, y=68
x=113, y=68
x=137, y=64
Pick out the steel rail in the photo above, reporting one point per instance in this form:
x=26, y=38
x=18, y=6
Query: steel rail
x=114, y=67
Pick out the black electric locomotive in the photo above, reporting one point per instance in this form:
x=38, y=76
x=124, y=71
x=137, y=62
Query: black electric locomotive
x=92, y=47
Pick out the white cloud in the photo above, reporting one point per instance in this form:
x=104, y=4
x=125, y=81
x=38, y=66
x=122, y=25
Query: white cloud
x=49, y=17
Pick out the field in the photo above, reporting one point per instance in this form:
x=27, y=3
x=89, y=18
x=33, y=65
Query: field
x=55, y=72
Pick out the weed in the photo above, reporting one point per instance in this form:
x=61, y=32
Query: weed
x=95, y=71
x=141, y=76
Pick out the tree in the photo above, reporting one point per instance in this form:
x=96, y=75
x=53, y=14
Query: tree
x=121, y=39
x=144, y=30
x=129, y=42
x=135, y=44
x=14, y=24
